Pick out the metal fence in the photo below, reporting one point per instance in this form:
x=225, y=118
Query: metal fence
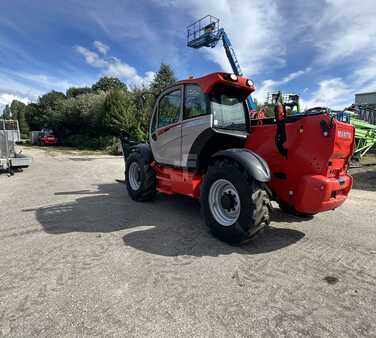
x=367, y=112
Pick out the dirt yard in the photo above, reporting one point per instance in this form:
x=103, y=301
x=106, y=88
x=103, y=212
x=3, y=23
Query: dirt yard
x=78, y=257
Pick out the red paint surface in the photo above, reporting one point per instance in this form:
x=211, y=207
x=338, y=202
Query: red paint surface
x=177, y=181
x=207, y=83
x=316, y=167
x=315, y=164
x=315, y=171
x=48, y=140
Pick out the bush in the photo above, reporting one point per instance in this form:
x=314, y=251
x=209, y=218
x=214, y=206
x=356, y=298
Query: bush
x=90, y=117
x=87, y=141
x=115, y=147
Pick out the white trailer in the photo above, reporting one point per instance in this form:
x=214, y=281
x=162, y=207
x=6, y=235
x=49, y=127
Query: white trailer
x=9, y=158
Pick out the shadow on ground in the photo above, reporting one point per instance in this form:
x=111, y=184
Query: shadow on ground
x=365, y=179
x=168, y=226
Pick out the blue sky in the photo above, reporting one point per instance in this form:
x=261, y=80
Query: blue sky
x=323, y=49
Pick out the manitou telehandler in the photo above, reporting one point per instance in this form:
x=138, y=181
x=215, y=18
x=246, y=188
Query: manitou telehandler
x=203, y=144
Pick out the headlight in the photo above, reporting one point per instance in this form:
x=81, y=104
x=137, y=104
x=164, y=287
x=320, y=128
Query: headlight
x=233, y=77
x=250, y=83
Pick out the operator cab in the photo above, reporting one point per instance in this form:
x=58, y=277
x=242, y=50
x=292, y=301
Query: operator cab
x=199, y=113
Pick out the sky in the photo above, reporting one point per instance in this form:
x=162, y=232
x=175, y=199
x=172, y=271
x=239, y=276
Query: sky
x=325, y=50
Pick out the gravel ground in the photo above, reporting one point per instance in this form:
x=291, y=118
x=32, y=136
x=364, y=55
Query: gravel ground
x=78, y=257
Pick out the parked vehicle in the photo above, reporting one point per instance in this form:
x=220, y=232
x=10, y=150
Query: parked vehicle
x=47, y=138
x=203, y=144
x=44, y=137
x=10, y=159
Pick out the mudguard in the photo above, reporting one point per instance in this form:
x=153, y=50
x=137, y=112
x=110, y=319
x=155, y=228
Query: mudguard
x=253, y=163
x=127, y=142
x=145, y=150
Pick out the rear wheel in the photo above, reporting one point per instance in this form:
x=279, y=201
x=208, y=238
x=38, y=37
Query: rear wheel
x=140, y=178
x=235, y=206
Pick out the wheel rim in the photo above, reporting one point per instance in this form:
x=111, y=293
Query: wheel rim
x=134, y=176
x=224, y=202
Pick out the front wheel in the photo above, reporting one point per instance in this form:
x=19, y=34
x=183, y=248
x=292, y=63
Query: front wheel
x=140, y=178
x=235, y=205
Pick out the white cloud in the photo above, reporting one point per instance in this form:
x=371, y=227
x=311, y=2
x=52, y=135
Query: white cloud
x=27, y=87
x=91, y=58
x=7, y=98
x=11, y=89
x=333, y=93
x=268, y=86
x=364, y=77
x=338, y=93
x=101, y=47
x=47, y=82
x=254, y=27
x=345, y=30
x=113, y=66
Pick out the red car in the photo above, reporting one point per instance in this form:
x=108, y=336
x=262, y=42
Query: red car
x=47, y=139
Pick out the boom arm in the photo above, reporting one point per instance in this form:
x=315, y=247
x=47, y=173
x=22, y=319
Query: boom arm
x=230, y=52
x=206, y=33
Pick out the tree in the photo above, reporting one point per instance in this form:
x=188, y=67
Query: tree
x=108, y=83
x=144, y=97
x=50, y=100
x=119, y=115
x=18, y=110
x=76, y=91
x=164, y=78
x=6, y=112
x=80, y=115
x=143, y=100
x=49, y=105
x=36, y=117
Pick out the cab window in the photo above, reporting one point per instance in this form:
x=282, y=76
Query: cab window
x=229, y=109
x=195, y=103
x=169, y=108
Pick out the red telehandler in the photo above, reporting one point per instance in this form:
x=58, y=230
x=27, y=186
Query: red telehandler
x=203, y=144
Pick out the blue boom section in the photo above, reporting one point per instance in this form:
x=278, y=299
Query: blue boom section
x=206, y=33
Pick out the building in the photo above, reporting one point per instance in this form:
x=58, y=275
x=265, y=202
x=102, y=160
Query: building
x=366, y=106
x=365, y=98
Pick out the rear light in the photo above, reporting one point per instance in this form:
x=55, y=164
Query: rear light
x=230, y=77
x=250, y=83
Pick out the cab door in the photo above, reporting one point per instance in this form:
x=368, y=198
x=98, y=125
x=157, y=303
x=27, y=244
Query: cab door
x=196, y=119
x=165, y=132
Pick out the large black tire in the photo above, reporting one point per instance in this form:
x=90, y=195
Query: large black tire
x=147, y=179
x=254, y=208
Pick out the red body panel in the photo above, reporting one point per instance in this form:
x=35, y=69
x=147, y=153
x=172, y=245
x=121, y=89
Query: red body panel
x=312, y=179
x=207, y=83
x=314, y=176
x=177, y=181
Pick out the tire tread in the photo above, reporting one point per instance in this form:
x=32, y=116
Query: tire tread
x=148, y=186
x=259, y=200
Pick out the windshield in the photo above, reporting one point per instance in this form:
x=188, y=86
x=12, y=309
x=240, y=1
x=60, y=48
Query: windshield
x=228, y=112
x=317, y=110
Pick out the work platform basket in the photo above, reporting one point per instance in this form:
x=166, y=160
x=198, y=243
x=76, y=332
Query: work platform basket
x=203, y=32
